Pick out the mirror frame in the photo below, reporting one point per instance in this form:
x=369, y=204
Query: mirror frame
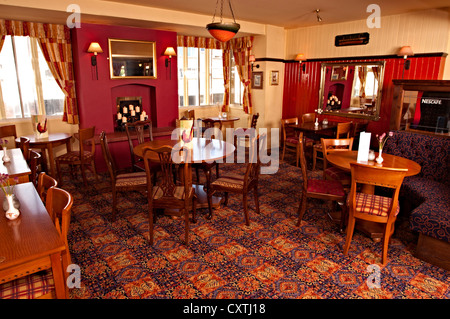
x=376, y=114
x=130, y=57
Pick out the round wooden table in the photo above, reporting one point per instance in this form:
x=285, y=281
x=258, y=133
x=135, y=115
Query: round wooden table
x=47, y=143
x=342, y=159
x=201, y=151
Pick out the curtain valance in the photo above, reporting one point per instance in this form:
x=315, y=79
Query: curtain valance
x=35, y=30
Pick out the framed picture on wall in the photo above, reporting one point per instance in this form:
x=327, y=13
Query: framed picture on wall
x=274, y=77
x=257, y=80
x=339, y=73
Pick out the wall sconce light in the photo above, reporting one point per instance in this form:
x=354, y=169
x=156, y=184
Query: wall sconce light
x=252, y=60
x=319, y=19
x=300, y=58
x=405, y=51
x=170, y=51
x=95, y=48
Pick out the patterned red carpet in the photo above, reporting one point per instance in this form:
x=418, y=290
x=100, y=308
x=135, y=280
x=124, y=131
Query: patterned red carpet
x=226, y=259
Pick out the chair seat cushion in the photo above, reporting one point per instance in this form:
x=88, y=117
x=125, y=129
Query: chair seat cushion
x=74, y=156
x=374, y=204
x=179, y=192
x=131, y=179
x=231, y=181
x=321, y=186
x=29, y=287
x=292, y=140
x=338, y=174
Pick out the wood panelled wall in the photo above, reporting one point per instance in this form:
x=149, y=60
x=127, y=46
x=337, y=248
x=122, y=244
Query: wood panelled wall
x=301, y=89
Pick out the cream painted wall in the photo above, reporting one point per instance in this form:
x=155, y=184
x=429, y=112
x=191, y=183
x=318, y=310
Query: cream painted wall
x=425, y=31
x=55, y=125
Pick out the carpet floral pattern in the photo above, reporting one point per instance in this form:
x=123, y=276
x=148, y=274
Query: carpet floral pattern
x=272, y=258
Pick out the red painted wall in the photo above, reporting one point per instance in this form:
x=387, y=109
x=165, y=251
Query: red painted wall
x=302, y=96
x=96, y=98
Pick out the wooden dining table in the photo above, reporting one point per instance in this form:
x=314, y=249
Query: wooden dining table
x=46, y=144
x=17, y=167
x=311, y=128
x=201, y=150
x=342, y=160
x=30, y=243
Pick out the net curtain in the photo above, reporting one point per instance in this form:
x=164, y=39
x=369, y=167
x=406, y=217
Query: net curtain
x=240, y=48
x=54, y=40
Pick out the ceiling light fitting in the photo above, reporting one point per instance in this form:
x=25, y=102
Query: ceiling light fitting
x=319, y=19
x=223, y=31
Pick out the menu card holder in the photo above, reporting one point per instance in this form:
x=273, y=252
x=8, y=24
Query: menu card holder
x=40, y=128
x=363, y=147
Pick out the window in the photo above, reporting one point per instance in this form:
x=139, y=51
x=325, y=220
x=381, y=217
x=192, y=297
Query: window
x=200, y=78
x=27, y=86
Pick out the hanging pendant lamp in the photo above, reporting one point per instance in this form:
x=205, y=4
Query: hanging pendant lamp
x=223, y=31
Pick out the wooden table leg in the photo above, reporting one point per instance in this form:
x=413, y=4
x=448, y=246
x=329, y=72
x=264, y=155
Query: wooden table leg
x=58, y=276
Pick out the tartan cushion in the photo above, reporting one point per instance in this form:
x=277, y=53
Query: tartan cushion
x=74, y=156
x=131, y=179
x=29, y=287
x=338, y=174
x=374, y=204
x=321, y=186
x=233, y=181
x=178, y=193
x=292, y=140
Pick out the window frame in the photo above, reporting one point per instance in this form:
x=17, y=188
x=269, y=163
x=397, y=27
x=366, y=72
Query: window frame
x=37, y=59
x=208, y=80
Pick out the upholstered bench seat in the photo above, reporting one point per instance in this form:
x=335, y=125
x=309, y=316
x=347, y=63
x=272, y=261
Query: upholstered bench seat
x=427, y=194
x=32, y=286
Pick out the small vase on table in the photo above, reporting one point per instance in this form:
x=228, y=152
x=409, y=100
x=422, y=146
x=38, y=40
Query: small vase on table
x=5, y=157
x=379, y=159
x=11, y=206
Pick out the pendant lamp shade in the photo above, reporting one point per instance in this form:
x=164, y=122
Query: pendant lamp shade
x=223, y=31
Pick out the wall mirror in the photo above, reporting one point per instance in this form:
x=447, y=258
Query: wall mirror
x=351, y=89
x=132, y=59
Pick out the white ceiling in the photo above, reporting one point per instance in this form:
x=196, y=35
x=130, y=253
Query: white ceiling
x=283, y=13
x=292, y=13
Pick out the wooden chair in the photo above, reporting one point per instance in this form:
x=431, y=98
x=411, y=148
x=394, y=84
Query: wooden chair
x=176, y=198
x=242, y=137
x=318, y=188
x=9, y=132
x=308, y=117
x=207, y=167
x=44, y=183
x=59, y=203
x=24, y=145
x=120, y=181
x=38, y=285
x=34, y=159
x=241, y=184
x=143, y=129
x=290, y=138
x=191, y=114
x=84, y=157
x=343, y=131
x=333, y=172
x=370, y=207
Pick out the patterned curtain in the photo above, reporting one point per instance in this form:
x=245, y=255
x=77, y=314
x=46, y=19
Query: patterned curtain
x=56, y=45
x=226, y=58
x=241, y=51
x=362, y=78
